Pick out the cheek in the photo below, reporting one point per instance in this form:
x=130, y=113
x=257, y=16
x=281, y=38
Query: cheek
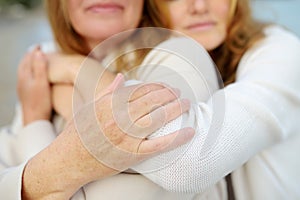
x=171, y=19
x=75, y=19
x=134, y=14
x=72, y=6
x=73, y=10
x=220, y=34
x=223, y=16
x=174, y=22
x=223, y=12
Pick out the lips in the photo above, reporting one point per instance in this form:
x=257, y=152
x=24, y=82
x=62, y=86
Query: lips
x=105, y=7
x=201, y=25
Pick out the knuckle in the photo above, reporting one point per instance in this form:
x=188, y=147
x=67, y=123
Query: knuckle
x=145, y=122
x=113, y=133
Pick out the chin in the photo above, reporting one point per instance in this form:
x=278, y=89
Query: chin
x=210, y=43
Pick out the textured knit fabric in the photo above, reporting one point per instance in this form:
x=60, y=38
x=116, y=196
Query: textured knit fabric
x=261, y=126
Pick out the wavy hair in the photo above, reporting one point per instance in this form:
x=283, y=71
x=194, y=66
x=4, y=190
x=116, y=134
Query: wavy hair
x=71, y=42
x=66, y=37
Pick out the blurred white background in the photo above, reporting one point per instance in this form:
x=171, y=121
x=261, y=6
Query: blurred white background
x=19, y=29
x=284, y=12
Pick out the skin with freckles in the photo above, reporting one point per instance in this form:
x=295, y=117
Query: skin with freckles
x=63, y=175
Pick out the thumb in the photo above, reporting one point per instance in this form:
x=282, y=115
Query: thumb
x=117, y=83
x=166, y=143
x=39, y=66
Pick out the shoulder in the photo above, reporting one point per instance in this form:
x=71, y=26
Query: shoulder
x=180, y=54
x=278, y=31
x=280, y=47
x=183, y=48
x=277, y=40
x=183, y=63
x=279, y=36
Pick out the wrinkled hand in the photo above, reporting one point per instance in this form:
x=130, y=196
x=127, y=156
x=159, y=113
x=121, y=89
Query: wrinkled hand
x=114, y=128
x=33, y=87
x=104, y=138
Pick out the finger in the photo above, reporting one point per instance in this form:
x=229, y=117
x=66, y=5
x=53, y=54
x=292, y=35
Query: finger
x=24, y=69
x=39, y=66
x=36, y=48
x=31, y=59
x=117, y=83
x=151, y=101
x=24, y=75
x=166, y=143
x=141, y=90
x=172, y=110
x=158, y=118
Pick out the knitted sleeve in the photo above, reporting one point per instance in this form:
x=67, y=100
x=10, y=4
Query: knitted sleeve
x=259, y=110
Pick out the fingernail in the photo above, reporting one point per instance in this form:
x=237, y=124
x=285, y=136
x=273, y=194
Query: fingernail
x=119, y=76
x=189, y=131
x=39, y=55
x=186, y=101
x=38, y=47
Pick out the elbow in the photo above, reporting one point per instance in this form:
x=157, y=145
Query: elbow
x=187, y=182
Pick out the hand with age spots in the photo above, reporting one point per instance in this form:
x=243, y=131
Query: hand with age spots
x=96, y=144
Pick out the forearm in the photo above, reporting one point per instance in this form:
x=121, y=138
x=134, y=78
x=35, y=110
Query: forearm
x=63, y=173
x=81, y=88
x=254, y=120
x=220, y=149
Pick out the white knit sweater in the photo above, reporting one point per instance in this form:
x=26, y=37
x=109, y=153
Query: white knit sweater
x=258, y=136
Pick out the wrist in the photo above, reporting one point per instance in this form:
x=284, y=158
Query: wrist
x=29, y=117
x=60, y=176
x=84, y=167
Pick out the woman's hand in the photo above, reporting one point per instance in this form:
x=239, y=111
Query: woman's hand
x=64, y=75
x=63, y=68
x=137, y=110
x=96, y=144
x=33, y=87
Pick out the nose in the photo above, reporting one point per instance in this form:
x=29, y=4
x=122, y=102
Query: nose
x=198, y=6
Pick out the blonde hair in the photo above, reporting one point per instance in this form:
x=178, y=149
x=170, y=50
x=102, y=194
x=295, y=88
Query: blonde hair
x=142, y=42
x=64, y=34
x=72, y=43
x=243, y=31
